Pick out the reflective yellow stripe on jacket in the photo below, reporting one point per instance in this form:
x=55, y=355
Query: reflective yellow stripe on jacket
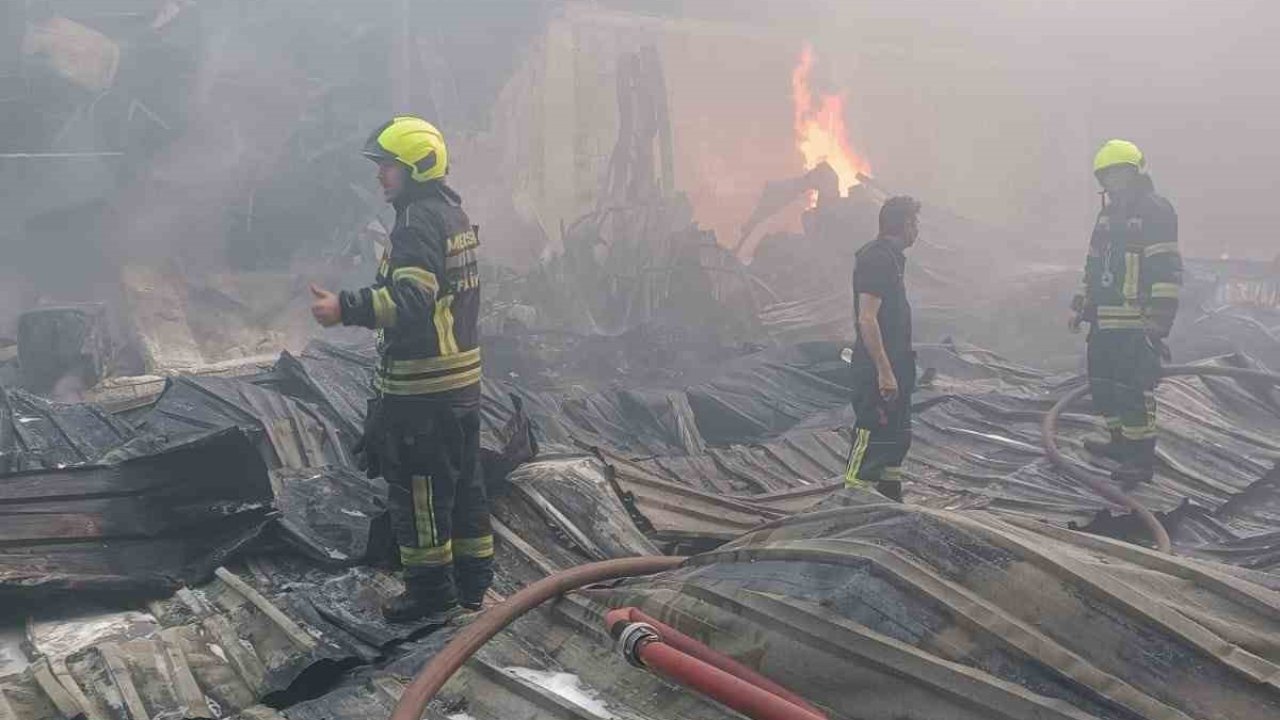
x=424, y=376
x=1132, y=268
x=444, y=326
x=424, y=278
x=1120, y=317
x=384, y=308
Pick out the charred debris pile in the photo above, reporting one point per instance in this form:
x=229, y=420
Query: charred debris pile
x=176, y=167
x=189, y=536
x=215, y=553
x=201, y=544
x=123, y=261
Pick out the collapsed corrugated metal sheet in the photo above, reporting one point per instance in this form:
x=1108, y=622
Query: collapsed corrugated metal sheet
x=290, y=433
x=339, y=378
x=278, y=629
x=1218, y=443
x=776, y=423
x=103, y=505
x=880, y=610
x=137, y=526
x=328, y=509
x=575, y=495
x=332, y=514
x=37, y=433
x=922, y=611
x=869, y=609
x=204, y=653
x=780, y=425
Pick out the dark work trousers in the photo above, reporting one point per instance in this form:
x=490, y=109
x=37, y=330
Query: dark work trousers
x=438, y=505
x=882, y=432
x=1124, y=368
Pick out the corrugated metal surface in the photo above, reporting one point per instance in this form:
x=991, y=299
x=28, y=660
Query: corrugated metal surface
x=880, y=610
x=875, y=610
x=141, y=525
x=36, y=433
x=777, y=423
x=278, y=632
x=292, y=433
x=978, y=445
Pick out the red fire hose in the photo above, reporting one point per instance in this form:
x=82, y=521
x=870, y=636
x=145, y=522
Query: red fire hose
x=719, y=677
x=616, y=621
x=442, y=667
x=650, y=644
x=1050, y=431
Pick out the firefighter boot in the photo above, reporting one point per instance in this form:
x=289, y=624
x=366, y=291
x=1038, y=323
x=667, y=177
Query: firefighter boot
x=474, y=575
x=890, y=483
x=422, y=600
x=1111, y=449
x=891, y=489
x=1137, y=464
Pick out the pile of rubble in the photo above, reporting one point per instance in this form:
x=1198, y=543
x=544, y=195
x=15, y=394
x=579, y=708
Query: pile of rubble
x=185, y=534
x=239, y=494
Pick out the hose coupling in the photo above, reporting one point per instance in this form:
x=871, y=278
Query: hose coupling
x=633, y=637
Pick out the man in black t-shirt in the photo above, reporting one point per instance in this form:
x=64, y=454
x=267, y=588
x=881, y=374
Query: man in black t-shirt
x=884, y=365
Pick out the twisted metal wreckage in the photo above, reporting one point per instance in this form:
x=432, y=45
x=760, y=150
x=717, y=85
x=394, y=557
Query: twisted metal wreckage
x=663, y=442
x=979, y=598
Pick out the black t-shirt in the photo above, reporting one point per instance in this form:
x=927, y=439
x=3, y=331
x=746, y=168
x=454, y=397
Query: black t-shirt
x=877, y=270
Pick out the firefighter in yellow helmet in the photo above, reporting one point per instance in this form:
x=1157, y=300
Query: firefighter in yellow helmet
x=422, y=432
x=1129, y=297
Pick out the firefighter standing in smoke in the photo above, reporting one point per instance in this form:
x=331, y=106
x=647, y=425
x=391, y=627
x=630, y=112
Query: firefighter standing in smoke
x=884, y=365
x=1130, y=296
x=423, y=429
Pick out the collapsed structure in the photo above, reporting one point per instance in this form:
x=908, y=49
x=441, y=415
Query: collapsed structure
x=980, y=597
x=197, y=541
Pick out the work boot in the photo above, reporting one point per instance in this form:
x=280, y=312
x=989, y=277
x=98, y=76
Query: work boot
x=1132, y=473
x=474, y=576
x=1111, y=449
x=1137, y=464
x=421, y=602
x=891, y=489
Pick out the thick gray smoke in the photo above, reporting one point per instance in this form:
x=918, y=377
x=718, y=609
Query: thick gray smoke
x=235, y=124
x=996, y=106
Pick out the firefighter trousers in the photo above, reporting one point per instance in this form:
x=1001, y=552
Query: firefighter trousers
x=882, y=431
x=1124, y=368
x=430, y=458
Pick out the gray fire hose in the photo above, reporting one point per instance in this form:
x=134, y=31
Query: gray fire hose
x=1110, y=492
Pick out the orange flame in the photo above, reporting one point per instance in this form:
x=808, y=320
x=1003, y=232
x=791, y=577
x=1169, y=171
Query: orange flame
x=820, y=131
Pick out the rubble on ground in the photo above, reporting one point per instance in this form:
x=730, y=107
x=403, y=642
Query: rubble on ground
x=629, y=470
x=184, y=531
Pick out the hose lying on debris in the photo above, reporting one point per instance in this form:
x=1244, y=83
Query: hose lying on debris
x=1050, y=432
x=442, y=667
x=428, y=682
x=650, y=644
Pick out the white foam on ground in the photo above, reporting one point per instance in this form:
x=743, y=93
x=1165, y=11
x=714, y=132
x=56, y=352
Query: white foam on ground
x=567, y=686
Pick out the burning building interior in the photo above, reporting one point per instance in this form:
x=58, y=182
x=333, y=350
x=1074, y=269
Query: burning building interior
x=670, y=200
